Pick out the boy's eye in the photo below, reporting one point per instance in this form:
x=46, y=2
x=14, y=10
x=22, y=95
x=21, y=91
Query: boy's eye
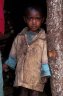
x=38, y=18
x=29, y=18
x=32, y=18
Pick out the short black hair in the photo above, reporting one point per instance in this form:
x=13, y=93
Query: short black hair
x=36, y=7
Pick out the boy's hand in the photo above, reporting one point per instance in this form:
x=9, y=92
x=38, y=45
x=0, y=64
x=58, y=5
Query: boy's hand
x=44, y=79
x=5, y=67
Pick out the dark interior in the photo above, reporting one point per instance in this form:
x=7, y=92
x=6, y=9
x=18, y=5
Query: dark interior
x=13, y=12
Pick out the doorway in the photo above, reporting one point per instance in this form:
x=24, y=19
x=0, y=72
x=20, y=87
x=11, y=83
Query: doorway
x=14, y=10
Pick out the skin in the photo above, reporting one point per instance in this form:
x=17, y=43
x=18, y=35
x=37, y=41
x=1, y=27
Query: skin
x=34, y=20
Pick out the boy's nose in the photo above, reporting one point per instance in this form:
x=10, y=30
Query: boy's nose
x=34, y=21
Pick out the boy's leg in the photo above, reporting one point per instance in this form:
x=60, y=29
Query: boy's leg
x=36, y=93
x=28, y=92
x=23, y=91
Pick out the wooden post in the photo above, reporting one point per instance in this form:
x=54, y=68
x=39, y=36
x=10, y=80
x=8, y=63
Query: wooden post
x=55, y=44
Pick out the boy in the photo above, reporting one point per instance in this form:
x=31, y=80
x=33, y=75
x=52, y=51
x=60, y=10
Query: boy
x=29, y=55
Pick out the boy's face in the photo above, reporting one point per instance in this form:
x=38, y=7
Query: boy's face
x=34, y=20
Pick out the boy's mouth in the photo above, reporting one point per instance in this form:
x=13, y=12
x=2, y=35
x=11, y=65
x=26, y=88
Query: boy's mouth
x=33, y=26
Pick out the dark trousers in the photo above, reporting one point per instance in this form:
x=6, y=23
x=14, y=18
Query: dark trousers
x=27, y=92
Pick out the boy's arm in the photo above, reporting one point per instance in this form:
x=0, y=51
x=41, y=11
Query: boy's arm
x=11, y=61
x=45, y=70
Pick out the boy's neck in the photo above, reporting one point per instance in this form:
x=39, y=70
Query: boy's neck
x=37, y=31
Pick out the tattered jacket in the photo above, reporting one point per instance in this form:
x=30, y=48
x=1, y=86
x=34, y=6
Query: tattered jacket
x=30, y=59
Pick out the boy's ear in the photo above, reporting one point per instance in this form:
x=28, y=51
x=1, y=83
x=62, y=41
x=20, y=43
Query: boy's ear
x=43, y=19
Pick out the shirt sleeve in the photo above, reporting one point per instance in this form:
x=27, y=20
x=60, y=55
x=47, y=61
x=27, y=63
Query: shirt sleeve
x=45, y=69
x=11, y=61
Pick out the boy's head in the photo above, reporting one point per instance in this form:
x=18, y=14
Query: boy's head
x=33, y=17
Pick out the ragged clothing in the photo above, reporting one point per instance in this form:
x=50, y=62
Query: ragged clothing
x=29, y=55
